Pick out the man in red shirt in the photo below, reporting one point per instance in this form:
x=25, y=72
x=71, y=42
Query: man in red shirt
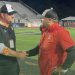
x=56, y=48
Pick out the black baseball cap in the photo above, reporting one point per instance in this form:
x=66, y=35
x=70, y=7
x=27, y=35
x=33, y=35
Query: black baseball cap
x=49, y=13
x=7, y=8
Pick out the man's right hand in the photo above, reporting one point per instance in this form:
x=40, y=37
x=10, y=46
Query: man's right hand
x=21, y=54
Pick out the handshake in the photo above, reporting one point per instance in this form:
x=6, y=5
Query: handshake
x=21, y=54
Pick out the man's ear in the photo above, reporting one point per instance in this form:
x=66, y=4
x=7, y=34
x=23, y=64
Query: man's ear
x=2, y=15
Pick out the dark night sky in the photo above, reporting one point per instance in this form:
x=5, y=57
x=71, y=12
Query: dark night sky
x=64, y=8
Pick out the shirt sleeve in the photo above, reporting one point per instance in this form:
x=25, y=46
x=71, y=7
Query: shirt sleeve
x=2, y=46
x=65, y=40
x=70, y=58
x=33, y=51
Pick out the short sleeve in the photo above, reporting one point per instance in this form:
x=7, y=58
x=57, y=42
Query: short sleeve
x=2, y=46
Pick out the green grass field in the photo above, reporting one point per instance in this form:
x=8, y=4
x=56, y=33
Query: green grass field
x=25, y=40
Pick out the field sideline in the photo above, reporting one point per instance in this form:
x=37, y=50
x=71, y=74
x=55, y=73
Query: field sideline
x=25, y=40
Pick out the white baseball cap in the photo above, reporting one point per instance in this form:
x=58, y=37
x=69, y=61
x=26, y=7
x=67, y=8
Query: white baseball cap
x=7, y=8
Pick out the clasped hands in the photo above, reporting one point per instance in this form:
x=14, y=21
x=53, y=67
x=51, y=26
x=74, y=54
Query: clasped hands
x=21, y=54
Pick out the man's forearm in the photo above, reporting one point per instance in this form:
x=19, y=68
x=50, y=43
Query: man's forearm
x=9, y=52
